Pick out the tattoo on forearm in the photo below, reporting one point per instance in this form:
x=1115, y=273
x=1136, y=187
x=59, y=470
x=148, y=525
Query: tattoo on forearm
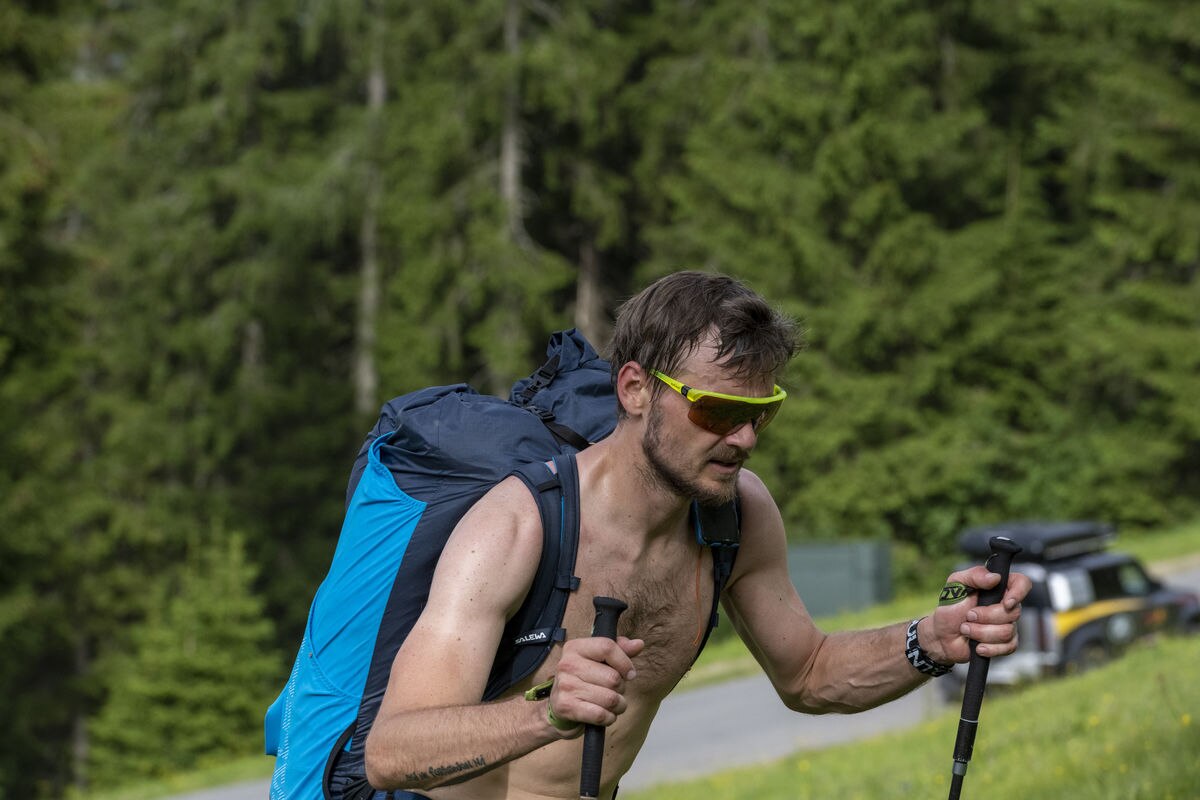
x=446, y=770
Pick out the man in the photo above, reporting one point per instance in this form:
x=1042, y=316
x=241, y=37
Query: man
x=671, y=445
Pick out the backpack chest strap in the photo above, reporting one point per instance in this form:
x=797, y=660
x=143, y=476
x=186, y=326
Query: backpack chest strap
x=720, y=528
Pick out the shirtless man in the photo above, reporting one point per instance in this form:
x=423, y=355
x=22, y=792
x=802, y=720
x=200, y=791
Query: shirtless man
x=432, y=735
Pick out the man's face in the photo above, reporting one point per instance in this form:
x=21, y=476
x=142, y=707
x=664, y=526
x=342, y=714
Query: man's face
x=683, y=457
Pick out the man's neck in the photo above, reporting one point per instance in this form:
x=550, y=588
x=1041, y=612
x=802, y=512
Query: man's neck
x=614, y=477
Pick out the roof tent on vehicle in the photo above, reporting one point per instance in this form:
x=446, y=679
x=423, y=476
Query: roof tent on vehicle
x=1041, y=541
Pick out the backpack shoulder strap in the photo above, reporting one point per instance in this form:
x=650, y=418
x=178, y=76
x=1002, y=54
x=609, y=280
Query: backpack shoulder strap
x=719, y=528
x=537, y=625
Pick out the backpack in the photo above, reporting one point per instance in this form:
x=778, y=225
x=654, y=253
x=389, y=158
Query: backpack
x=432, y=454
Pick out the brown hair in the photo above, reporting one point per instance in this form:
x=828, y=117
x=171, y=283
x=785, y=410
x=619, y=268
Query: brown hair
x=664, y=323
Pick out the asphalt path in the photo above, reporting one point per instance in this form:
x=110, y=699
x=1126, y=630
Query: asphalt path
x=743, y=722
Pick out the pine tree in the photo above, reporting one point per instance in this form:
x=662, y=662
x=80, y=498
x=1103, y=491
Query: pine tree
x=194, y=687
x=53, y=607
x=470, y=290
x=228, y=344
x=930, y=188
x=1119, y=153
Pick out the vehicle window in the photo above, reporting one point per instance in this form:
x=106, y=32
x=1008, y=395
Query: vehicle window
x=1070, y=589
x=1120, y=580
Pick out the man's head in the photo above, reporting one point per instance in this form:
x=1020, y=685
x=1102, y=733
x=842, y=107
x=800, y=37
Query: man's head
x=696, y=357
x=668, y=321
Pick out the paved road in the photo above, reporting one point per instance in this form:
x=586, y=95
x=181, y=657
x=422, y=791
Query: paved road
x=743, y=722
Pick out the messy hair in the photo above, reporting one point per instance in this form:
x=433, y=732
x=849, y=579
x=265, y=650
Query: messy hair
x=661, y=326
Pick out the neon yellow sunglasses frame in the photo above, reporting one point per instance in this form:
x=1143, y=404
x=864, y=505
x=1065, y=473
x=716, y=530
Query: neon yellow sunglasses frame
x=722, y=413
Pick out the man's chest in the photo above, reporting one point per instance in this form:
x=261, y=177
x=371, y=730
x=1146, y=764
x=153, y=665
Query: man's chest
x=669, y=594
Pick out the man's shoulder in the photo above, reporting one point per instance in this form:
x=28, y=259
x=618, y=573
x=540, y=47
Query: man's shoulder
x=752, y=490
x=759, y=514
x=507, y=510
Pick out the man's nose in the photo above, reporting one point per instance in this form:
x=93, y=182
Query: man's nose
x=743, y=436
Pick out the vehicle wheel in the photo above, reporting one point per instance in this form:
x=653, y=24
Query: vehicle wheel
x=1090, y=656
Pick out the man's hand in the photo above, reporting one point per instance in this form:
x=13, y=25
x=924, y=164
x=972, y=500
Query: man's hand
x=946, y=634
x=589, y=687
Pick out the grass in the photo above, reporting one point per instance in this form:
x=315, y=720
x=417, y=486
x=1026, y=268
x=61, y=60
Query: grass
x=248, y=768
x=1163, y=546
x=1129, y=731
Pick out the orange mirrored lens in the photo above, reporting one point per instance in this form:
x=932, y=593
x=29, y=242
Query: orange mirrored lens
x=721, y=416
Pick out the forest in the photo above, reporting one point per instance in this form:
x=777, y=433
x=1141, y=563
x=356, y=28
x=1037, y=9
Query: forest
x=229, y=231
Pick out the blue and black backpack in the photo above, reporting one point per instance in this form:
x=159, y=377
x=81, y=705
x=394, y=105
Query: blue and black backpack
x=433, y=454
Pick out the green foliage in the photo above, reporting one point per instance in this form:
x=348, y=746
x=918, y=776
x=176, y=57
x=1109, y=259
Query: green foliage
x=988, y=338
x=196, y=682
x=53, y=604
x=230, y=319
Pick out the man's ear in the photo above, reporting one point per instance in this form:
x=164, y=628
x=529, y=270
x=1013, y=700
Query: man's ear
x=633, y=388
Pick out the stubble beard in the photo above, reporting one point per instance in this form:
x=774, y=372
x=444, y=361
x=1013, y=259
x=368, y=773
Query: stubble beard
x=661, y=473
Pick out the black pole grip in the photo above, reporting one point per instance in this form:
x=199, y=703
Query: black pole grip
x=608, y=611
x=999, y=561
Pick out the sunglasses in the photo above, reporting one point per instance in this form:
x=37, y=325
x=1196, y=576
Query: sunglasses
x=721, y=413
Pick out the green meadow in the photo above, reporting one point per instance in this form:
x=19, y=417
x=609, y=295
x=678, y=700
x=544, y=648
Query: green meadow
x=1130, y=730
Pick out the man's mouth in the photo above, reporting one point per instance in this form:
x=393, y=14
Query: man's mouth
x=730, y=458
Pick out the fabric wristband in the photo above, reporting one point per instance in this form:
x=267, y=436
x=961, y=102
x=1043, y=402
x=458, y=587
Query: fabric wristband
x=917, y=656
x=542, y=692
x=561, y=724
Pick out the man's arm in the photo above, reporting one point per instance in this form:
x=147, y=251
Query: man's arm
x=818, y=673
x=431, y=728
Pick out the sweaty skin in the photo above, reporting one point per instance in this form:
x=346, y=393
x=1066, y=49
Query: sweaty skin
x=432, y=735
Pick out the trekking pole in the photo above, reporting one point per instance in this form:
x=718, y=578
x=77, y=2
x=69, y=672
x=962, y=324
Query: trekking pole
x=608, y=610
x=1000, y=560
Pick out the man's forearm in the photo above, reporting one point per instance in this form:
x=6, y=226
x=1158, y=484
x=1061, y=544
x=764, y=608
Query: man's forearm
x=854, y=671
x=425, y=748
